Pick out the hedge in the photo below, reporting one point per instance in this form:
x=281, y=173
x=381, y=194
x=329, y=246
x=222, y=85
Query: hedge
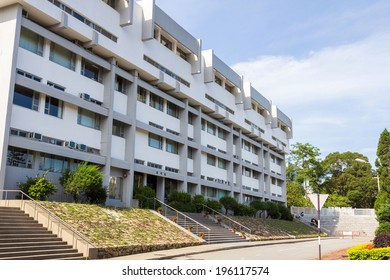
x=360, y=252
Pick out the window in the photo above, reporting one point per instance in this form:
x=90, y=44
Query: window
x=211, y=192
x=172, y=110
x=246, y=172
x=255, y=149
x=88, y=119
x=141, y=94
x=62, y=56
x=211, y=160
x=53, y=107
x=182, y=54
x=90, y=70
x=211, y=128
x=246, y=145
x=53, y=163
x=156, y=102
x=222, y=163
x=218, y=80
x=31, y=41
x=56, y=86
x=229, y=88
x=19, y=157
x=155, y=141
x=120, y=84
x=26, y=98
x=172, y=147
x=28, y=75
x=221, y=133
x=165, y=42
x=203, y=124
x=115, y=188
x=191, y=118
x=190, y=153
x=118, y=129
x=110, y=3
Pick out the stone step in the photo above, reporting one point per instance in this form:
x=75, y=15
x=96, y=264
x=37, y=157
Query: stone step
x=29, y=238
x=34, y=255
x=47, y=247
x=19, y=243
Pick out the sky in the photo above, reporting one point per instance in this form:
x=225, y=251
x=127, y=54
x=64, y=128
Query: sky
x=324, y=63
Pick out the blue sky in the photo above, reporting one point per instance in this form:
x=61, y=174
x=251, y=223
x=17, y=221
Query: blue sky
x=325, y=63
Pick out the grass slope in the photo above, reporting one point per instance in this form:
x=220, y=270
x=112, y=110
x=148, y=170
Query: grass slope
x=112, y=227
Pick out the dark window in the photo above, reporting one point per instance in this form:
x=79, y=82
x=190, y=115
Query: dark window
x=53, y=107
x=26, y=98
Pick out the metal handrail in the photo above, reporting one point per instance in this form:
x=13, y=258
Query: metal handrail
x=51, y=215
x=241, y=226
x=186, y=218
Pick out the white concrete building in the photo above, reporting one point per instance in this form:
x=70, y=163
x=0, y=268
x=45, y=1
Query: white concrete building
x=120, y=84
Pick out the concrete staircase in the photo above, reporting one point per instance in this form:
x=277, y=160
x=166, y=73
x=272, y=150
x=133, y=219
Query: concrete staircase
x=217, y=234
x=23, y=238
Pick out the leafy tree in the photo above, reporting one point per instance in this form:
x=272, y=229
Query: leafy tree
x=272, y=210
x=145, y=196
x=383, y=166
x=345, y=177
x=38, y=187
x=199, y=201
x=335, y=200
x=87, y=180
x=214, y=204
x=296, y=195
x=229, y=203
x=285, y=213
x=244, y=210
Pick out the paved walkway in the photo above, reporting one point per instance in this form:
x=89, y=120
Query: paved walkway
x=168, y=254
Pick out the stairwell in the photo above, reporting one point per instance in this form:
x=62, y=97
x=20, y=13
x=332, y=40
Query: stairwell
x=23, y=238
x=217, y=233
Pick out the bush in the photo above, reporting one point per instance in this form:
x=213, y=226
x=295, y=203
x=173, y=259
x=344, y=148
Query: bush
x=285, y=213
x=198, y=200
x=180, y=197
x=183, y=207
x=273, y=210
x=38, y=187
x=360, y=252
x=96, y=195
x=244, y=210
x=383, y=228
x=229, y=203
x=382, y=240
x=214, y=204
x=145, y=196
x=383, y=213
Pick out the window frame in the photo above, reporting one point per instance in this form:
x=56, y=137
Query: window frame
x=50, y=108
x=155, y=141
x=171, y=146
x=94, y=117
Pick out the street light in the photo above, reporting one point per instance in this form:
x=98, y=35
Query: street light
x=377, y=175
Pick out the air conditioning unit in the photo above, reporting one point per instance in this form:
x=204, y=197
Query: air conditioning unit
x=36, y=136
x=70, y=144
x=85, y=96
x=82, y=147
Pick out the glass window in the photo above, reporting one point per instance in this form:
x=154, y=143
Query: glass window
x=165, y=42
x=19, y=157
x=246, y=145
x=53, y=107
x=62, y=56
x=222, y=163
x=211, y=192
x=211, y=128
x=91, y=71
x=53, y=163
x=246, y=172
x=172, y=110
x=88, y=119
x=115, y=188
x=31, y=41
x=222, y=133
x=172, y=146
x=155, y=141
x=26, y=98
x=156, y=102
x=190, y=153
x=191, y=118
x=182, y=54
x=218, y=80
x=120, y=84
x=118, y=129
x=211, y=160
x=203, y=124
x=141, y=94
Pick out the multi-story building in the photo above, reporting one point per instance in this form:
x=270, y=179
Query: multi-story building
x=120, y=84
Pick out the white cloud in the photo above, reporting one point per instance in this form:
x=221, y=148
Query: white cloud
x=359, y=70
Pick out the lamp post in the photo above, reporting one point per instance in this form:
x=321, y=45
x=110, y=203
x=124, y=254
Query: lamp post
x=377, y=176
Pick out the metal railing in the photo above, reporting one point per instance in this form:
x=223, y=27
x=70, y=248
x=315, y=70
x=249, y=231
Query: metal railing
x=185, y=220
x=51, y=218
x=228, y=221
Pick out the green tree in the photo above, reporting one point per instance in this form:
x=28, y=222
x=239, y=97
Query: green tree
x=38, y=187
x=86, y=180
x=383, y=168
x=296, y=195
x=335, y=200
x=229, y=203
x=145, y=196
x=350, y=181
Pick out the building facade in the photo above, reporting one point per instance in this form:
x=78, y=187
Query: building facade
x=120, y=84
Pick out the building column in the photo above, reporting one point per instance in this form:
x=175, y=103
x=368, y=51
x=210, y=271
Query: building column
x=10, y=25
x=239, y=168
x=183, y=149
x=230, y=166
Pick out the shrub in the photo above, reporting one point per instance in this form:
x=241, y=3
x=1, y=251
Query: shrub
x=198, y=201
x=244, y=210
x=273, y=210
x=96, y=195
x=229, y=203
x=183, y=207
x=360, y=252
x=383, y=213
x=382, y=240
x=38, y=187
x=214, y=204
x=285, y=213
x=180, y=197
x=383, y=228
x=145, y=196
